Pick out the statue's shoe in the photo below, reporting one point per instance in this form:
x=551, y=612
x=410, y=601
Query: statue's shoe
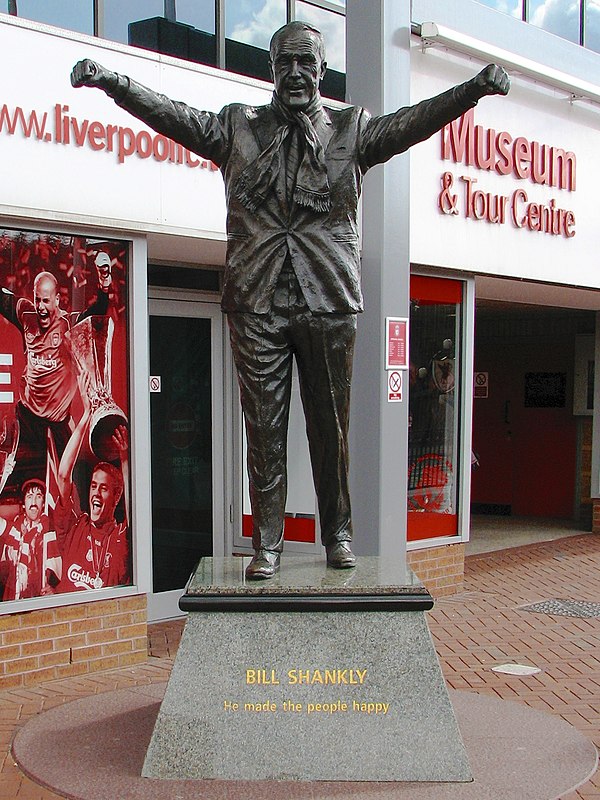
x=340, y=556
x=264, y=564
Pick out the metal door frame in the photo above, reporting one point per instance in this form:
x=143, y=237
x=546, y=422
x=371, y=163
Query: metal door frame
x=164, y=605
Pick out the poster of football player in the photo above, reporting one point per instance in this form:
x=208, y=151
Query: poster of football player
x=64, y=442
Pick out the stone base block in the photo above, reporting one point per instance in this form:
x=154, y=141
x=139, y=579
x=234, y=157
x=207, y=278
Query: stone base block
x=334, y=695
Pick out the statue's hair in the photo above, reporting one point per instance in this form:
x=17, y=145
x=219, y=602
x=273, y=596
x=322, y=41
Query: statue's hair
x=293, y=27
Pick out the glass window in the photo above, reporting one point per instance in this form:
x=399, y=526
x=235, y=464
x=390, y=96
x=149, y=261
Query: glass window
x=512, y=7
x=75, y=15
x=199, y=13
x=325, y=3
x=556, y=16
x=254, y=21
x=434, y=407
x=4, y=6
x=64, y=452
x=592, y=25
x=333, y=28
x=118, y=15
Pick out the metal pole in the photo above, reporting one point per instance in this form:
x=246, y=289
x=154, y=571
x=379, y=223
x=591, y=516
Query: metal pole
x=220, y=32
x=169, y=10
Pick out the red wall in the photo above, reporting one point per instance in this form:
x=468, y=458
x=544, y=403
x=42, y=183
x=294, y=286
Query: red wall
x=527, y=455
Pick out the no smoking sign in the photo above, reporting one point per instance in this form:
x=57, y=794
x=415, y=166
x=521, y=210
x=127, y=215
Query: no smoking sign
x=394, y=386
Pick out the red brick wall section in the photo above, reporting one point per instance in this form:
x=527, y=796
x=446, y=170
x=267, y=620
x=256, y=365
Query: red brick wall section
x=72, y=640
x=441, y=569
x=596, y=516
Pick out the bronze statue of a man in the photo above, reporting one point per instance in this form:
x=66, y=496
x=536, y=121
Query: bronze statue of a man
x=293, y=171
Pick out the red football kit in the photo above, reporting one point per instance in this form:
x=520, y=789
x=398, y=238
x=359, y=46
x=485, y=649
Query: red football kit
x=92, y=557
x=48, y=383
x=21, y=556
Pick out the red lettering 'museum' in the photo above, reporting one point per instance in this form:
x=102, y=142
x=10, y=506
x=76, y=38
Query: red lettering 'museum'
x=470, y=144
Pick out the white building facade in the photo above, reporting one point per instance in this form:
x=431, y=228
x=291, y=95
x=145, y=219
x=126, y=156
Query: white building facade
x=479, y=259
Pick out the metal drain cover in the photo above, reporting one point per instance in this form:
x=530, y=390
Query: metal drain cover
x=564, y=608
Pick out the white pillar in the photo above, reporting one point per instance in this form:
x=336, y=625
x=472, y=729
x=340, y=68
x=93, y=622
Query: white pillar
x=378, y=78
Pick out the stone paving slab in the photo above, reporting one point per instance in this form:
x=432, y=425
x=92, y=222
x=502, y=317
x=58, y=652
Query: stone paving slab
x=564, y=608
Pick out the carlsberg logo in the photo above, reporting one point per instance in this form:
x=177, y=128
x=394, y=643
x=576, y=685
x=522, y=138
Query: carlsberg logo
x=82, y=578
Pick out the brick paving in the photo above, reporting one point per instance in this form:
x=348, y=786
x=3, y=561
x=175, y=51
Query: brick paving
x=484, y=626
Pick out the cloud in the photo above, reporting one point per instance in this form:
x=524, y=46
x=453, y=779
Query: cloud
x=592, y=27
x=260, y=24
x=333, y=28
x=512, y=7
x=559, y=17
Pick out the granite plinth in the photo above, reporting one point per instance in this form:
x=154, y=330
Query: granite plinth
x=305, y=583
x=349, y=690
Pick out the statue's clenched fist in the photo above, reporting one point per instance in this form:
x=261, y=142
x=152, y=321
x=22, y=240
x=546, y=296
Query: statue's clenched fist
x=90, y=73
x=492, y=80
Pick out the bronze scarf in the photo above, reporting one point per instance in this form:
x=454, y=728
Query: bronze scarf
x=312, y=187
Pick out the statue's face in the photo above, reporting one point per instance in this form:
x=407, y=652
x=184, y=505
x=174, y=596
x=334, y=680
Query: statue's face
x=297, y=68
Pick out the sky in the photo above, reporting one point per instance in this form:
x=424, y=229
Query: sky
x=560, y=17
x=255, y=21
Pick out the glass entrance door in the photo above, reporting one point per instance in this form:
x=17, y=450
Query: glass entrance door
x=186, y=413
x=434, y=407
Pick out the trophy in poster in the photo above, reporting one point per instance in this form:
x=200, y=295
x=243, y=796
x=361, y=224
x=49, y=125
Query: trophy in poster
x=91, y=343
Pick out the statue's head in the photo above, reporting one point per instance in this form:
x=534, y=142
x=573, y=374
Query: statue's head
x=297, y=58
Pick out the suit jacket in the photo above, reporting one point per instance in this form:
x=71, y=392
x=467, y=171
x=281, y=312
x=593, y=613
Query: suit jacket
x=323, y=247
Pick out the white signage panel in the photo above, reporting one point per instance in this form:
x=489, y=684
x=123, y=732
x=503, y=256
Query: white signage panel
x=511, y=188
x=73, y=153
